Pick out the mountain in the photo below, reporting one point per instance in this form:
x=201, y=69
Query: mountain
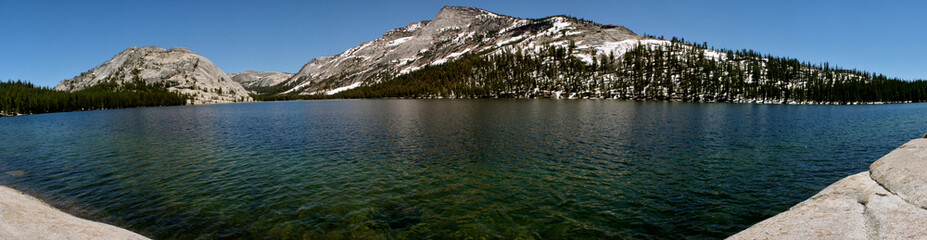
x=255, y=80
x=178, y=70
x=470, y=52
x=455, y=31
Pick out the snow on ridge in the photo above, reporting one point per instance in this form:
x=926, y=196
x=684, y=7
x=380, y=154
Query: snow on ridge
x=560, y=24
x=515, y=24
x=514, y=39
x=345, y=88
x=560, y=43
x=300, y=86
x=571, y=33
x=714, y=54
x=463, y=36
x=439, y=61
x=398, y=41
x=622, y=47
x=451, y=28
x=617, y=48
x=443, y=60
x=458, y=54
x=584, y=57
x=487, y=14
x=403, y=61
x=409, y=69
x=353, y=50
x=413, y=27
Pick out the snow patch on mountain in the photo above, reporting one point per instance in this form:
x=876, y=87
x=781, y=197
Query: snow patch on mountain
x=453, y=32
x=409, y=69
x=458, y=54
x=510, y=40
x=398, y=41
x=621, y=47
x=559, y=24
x=340, y=89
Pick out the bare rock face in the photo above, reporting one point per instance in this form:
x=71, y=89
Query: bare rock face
x=904, y=172
x=254, y=79
x=884, y=203
x=25, y=217
x=181, y=70
x=454, y=32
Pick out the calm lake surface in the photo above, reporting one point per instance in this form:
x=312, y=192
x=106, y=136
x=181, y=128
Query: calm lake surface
x=445, y=168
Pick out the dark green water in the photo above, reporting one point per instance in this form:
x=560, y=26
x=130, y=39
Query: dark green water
x=445, y=168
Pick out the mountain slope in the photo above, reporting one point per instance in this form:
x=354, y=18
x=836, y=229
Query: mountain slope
x=683, y=72
x=256, y=80
x=177, y=69
x=455, y=31
x=470, y=52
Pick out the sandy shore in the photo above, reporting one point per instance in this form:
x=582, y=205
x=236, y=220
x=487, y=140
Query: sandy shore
x=25, y=217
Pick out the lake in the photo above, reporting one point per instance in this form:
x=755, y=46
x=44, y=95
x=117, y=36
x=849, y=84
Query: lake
x=415, y=169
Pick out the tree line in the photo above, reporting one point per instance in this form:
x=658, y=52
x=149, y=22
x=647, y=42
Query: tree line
x=19, y=97
x=674, y=71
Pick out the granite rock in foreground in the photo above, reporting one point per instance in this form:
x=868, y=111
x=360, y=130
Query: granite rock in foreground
x=25, y=217
x=887, y=202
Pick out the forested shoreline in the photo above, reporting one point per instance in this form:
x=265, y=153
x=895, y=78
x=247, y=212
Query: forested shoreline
x=19, y=98
x=677, y=71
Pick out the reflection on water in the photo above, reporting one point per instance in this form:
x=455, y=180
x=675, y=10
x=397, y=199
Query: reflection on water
x=445, y=168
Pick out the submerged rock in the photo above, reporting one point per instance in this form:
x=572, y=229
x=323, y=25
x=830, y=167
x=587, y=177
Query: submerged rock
x=17, y=173
x=886, y=202
x=398, y=215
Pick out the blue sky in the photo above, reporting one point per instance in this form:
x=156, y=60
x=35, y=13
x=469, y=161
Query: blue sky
x=48, y=41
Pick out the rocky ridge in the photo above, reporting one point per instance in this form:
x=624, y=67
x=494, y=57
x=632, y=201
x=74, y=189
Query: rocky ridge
x=453, y=32
x=181, y=70
x=887, y=202
x=255, y=79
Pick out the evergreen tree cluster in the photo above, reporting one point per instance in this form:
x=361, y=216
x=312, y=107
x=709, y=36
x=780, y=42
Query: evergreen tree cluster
x=25, y=98
x=674, y=71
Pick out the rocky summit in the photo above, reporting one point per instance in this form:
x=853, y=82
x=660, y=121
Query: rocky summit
x=456, y=31
x=179, y=69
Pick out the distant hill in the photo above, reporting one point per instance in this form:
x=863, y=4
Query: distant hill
x=258, y=81
x=178, y=69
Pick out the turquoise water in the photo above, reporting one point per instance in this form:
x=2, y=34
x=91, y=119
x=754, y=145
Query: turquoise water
x=544, y=169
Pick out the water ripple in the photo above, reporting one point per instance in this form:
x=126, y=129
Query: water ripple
x=398, y=169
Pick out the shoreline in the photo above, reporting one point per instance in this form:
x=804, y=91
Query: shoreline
x=5, y=114
x=887, y=202
x=27, y=217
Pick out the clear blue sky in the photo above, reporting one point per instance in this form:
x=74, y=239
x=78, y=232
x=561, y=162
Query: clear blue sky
x=48, y=41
